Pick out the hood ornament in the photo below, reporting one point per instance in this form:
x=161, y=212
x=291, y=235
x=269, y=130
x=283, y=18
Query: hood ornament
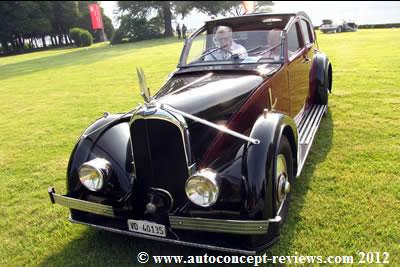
x=144, y=90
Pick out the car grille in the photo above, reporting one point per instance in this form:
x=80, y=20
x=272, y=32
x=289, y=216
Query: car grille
x=159, y=156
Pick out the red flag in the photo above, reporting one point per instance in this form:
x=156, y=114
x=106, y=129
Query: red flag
x=249, y=6
x=95, y=15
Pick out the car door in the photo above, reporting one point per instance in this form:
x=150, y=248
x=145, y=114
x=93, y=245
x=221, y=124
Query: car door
x=299, y=65
x=309, y=50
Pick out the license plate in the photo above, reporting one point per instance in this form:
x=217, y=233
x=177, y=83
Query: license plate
x=146, y=227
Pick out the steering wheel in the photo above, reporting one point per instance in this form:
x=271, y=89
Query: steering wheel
x=212, y=50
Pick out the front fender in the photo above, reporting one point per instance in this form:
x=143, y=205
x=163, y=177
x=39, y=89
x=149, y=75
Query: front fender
x=108, y=138
x=258, y=162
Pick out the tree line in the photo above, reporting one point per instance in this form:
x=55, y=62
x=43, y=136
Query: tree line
x=28, y=25
x=151, y=19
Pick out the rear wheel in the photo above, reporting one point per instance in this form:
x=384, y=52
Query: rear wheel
x=322, y=90
x=322, y=95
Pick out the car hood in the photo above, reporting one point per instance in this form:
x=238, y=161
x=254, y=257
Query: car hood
x=215, y=98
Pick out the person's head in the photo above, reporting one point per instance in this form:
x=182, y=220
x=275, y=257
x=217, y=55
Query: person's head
x=223, y=36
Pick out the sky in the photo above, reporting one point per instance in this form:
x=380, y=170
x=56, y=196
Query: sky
x=361, y=12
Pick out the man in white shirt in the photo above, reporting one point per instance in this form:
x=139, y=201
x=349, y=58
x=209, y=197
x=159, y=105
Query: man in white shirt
x=226, y=47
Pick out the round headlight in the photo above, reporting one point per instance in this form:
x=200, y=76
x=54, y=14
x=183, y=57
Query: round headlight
x=93, y=173
x=202, y=188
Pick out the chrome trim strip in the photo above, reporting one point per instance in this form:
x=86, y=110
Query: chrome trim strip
x=219, y=225
x=83, y=205
x=253, y=227
x=316, y=123
x=308, y=145
x=210, y=124
x=176, y=242
x=111, y=122
x=208, y=75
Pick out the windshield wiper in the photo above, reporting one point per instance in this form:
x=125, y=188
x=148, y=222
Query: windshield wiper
x=255, y=48
x=268, y=49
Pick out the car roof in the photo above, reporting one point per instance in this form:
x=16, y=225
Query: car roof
x=257, y=18
x=257, y=14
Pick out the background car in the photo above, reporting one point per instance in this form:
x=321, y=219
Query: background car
x=328, y=26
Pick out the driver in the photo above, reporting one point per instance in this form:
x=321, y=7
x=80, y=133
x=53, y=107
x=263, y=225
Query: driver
x=223, y=40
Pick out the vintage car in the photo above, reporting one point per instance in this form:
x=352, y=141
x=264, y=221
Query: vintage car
x=328, y=26
x=208, y=161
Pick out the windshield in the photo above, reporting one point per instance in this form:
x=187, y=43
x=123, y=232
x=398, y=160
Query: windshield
x=227, y=47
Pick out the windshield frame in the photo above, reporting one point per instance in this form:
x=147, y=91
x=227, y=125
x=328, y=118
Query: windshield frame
x=189, y=41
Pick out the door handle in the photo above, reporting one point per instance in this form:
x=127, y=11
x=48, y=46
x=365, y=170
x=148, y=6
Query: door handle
x=306, y=60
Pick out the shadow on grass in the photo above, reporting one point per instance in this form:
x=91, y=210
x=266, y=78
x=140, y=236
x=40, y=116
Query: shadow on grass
x=100, y=248
x=77, y=56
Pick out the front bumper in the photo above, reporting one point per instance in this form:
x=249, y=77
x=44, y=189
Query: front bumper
x=235, y=227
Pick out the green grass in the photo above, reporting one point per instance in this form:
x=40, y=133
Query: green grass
x=346, y=200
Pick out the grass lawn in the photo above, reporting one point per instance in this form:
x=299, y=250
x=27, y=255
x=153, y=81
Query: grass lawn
x=347, y=199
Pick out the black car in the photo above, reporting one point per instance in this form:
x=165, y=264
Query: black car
x=208, y=161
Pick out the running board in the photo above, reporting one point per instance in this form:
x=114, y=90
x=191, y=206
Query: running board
x=308, y=127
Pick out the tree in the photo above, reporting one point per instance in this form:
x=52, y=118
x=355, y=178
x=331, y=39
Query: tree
x=65, y=16
x=166, y=9
x=23, y=23
x=148, y=10
x=23, y=20
x=135, y=29
x=8, y=11
x=214, y=8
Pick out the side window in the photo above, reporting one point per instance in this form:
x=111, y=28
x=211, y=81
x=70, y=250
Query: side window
x=293, y=41
x=307, y=33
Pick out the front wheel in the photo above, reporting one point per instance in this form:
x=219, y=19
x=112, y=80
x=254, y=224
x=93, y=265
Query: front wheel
x=283, y=178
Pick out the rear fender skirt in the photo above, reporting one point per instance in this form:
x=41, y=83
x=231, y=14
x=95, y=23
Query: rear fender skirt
x=320, y=74
x=258, y=164
x=110, y=140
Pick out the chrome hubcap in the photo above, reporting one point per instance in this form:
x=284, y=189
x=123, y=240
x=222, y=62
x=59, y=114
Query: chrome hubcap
x=282, y=181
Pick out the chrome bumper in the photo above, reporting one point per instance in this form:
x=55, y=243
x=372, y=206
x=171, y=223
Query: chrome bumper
x=247, y=227
x=171, y=241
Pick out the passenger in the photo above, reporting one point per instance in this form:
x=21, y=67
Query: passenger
x=273, y=44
